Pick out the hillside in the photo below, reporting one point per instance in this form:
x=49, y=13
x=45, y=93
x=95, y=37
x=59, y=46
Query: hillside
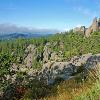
x=35, y=68
x=22, y=35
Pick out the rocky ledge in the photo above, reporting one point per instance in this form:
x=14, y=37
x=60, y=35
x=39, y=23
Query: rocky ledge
x=52, y=71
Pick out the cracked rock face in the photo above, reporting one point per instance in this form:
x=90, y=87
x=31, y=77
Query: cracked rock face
x=46, y=54
x=65, y=70
x=92, y=28
x=31, y=49
x=56, y=69
x=95, y=26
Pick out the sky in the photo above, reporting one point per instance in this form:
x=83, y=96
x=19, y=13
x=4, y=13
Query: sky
x=48, y=14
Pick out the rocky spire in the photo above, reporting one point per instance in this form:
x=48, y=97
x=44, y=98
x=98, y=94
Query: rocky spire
x=95, y=24
x=94, y=27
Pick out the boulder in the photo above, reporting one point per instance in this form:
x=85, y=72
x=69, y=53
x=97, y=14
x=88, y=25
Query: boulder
x=66, y=70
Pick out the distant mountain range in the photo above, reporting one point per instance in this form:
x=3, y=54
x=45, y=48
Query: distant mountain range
x=11, y=31
x=22, y=35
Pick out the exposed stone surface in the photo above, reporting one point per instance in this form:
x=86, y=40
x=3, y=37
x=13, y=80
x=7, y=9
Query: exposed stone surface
x=46, y=54
x=65, y=70
x=81, y=30
x=54, y=56
x=94, y=27
x=53, y=70
x=31, y=49
x=49, y=55
x=87, y=31
x=14, y=67
x=25, y=67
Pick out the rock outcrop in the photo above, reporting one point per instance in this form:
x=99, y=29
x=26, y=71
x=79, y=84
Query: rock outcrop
x=31, y=50
x=26, y=66
x=46, y=53
x=80, y=30
x=53, y=70
x=51, y=73
x=93, y=28
x=53, y=67
x=65, y=70
x=87, y=31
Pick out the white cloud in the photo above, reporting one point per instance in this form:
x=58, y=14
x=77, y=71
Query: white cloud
x=11, y=28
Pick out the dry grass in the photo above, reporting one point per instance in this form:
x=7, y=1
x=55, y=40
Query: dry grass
x=66, y=91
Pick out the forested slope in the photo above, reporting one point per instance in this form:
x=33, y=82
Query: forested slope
x=62, y=46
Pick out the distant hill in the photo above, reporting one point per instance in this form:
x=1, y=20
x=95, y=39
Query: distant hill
x=22, y=35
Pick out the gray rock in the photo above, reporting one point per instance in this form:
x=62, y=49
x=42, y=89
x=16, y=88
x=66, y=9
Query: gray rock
x=14, y=67
x=65, y=70
x=31, y=49
x=53, y=70
x=54, y=56
x=46, y=54
x=95, y=26
x=81, y=30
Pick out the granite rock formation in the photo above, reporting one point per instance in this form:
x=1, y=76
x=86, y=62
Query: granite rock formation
x=46, y=53
x=87, y=31
x=52, y=72
x=55, y=69
x=81, y=30
x=66, y=70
